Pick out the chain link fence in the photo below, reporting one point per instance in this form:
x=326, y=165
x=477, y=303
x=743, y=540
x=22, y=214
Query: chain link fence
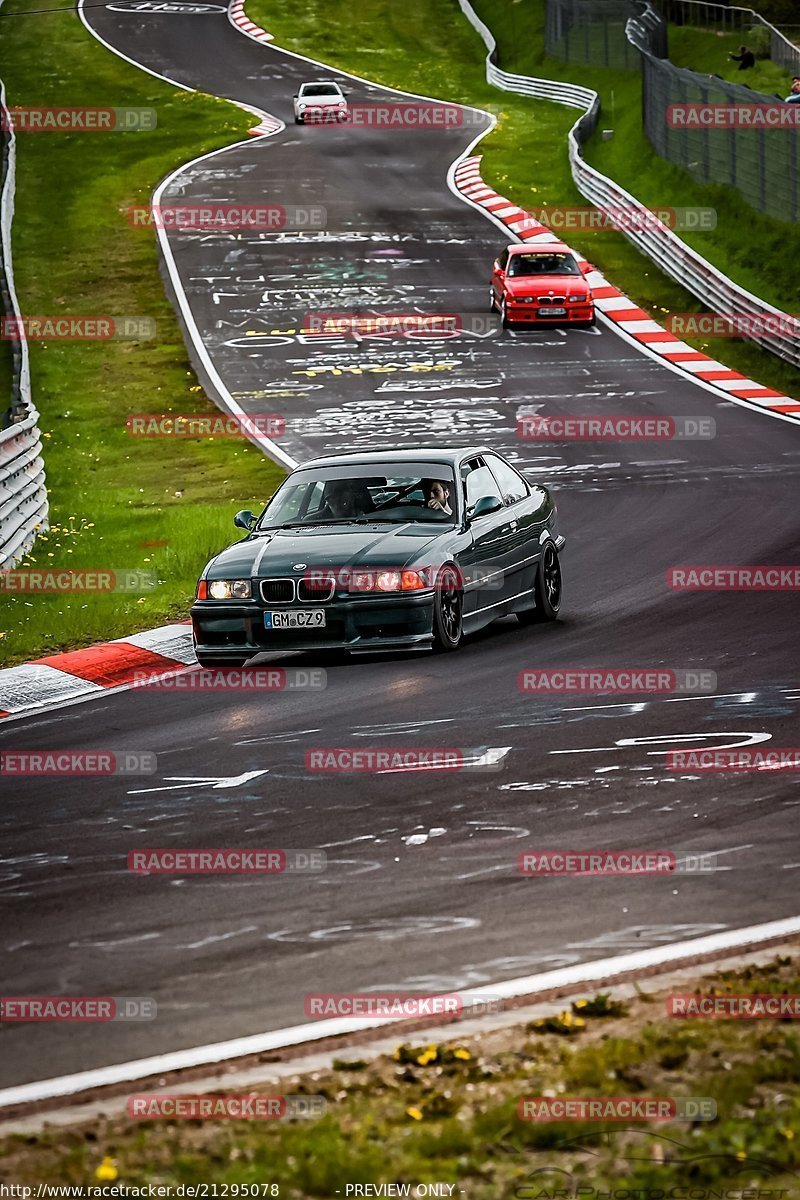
x=750, y=150
x=759, y=160
x=591, y=32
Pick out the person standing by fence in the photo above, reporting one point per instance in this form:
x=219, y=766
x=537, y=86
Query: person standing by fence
x=745, y=58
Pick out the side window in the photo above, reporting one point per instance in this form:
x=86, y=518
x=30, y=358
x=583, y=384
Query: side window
x=512, y=486
x=480, y=482
x=313, y=499
x=502, y=258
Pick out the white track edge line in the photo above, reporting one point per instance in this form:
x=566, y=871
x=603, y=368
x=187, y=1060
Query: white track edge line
x=296, y=1035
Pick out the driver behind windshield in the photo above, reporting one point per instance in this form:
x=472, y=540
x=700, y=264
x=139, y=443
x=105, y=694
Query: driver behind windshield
x=543, y=264
x=437, y=495
x=346, y=498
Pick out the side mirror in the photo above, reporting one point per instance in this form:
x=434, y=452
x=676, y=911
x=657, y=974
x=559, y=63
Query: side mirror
x=486, y=505
x=244, y=520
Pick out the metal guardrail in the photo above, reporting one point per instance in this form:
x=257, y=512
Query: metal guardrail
x=672, y=255
x=23, y=491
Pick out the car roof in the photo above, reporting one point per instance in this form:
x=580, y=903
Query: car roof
x=441, y=454
x=324, y=82
x=542, y=248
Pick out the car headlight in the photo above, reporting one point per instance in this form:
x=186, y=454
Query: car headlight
x=390, y=581
x=230, y=589
x=301, y=106
x=528, y=299
x=578, y=299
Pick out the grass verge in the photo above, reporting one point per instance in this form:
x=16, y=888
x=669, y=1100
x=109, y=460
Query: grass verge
x=447, y=1112
x=116, y=502
x=526, y=156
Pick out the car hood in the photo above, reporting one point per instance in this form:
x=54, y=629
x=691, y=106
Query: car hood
x=281, y=550
x=538, y=285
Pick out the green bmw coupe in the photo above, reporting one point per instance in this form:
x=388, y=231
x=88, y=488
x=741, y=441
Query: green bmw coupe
x=390, y=550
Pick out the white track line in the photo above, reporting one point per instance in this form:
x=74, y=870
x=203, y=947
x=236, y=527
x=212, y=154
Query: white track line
x=297, y=1035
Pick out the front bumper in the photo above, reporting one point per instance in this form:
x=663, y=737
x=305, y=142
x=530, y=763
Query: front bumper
x=323, y=116
x=358, y=624
x=533, y=314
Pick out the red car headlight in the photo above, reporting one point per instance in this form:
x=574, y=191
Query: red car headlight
x=202, y=590
x=389, y=581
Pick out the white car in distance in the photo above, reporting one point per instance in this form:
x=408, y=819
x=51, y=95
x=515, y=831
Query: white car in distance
x=319, y=103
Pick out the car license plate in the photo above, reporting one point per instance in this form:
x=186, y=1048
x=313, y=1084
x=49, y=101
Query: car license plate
x=306, y=618
x=552, y=312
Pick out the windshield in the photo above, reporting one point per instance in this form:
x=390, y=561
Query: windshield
x=542, y=264
x=321, y=89
x=418, y=492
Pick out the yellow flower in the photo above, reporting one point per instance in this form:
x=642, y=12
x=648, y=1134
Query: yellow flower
x=462, y=1053
x=579, y=1021
x=107, y=1171
x=428, y=1055
x=741, y=1156
x=581, y=1003
x=787, y=1133
x=415, y=1113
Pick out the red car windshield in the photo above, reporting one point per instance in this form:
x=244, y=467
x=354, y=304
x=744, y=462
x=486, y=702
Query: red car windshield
x=542, y=264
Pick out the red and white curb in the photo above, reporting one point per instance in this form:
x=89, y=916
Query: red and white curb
x=238, y=17
x=52, y=681
x=621, y=311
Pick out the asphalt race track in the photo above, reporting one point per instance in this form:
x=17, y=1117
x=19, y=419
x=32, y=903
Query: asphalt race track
x=421, y=890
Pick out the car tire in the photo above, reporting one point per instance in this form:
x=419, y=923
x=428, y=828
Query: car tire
x=230, y=660
x=589, y=324
x=448, y=611
x=546, y=589
x=492, y=301
x=504, y=321
x=297, y=121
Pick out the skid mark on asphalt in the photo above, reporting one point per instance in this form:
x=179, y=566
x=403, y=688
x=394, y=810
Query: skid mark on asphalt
x=635, y=937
